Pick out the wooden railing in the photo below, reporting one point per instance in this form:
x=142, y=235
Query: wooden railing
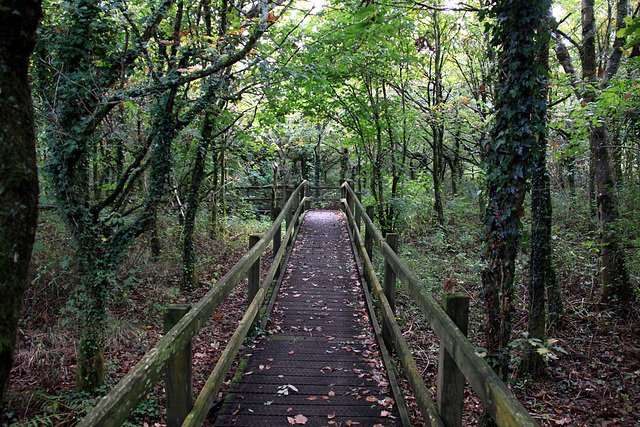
x=266, y=197
x=172, y=353
x=458, y=359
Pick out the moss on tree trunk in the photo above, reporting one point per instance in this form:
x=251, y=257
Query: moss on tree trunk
x=18, y=171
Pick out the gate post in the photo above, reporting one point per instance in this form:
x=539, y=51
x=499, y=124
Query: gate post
x=178, y=378
x=389, y=288
x=254, y=271
x=450, y=390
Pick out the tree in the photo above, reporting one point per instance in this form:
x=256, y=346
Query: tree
x=95, y=58
x=18, y=171
x=541, y=271
x=596, y=77
x=515, y=130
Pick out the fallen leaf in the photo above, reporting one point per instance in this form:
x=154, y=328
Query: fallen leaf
x=385, y=413
x=331, y=393
x=331, y=415
x=371, y=399
x=312, y=397
x=298, y=419
x=351, y=423
x=291, y=352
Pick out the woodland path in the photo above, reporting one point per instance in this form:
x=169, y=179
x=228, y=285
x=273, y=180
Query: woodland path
x=319, y=363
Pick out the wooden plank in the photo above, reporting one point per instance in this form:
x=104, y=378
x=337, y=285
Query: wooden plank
x=319, y=344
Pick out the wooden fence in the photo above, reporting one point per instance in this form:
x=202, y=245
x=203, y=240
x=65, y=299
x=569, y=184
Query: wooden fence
x=172, y=353
x=458, y=359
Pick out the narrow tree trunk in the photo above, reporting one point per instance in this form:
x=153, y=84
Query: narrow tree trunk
x=616, y=285
x=18, y=171
x=189, y=273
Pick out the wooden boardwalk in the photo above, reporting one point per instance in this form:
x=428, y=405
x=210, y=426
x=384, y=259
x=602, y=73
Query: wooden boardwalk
x=319, y=364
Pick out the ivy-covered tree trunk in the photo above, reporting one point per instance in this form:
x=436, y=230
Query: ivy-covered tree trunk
x=189, y=272
x=18, y=171
x=542, y=278
x=508, y=159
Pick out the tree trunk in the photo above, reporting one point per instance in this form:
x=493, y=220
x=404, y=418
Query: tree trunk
x=541, y=263
x=616, y=285
x=507, y=164
x=189, y=273
x=18, y=170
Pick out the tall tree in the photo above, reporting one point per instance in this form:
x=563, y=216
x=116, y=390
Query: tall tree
x=541, y=270
x=596, y=76
x=513, y=136
x=101, y=58
x=18, y=172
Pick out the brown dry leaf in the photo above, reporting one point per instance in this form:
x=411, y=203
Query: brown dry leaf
x=291, y=352
x=248, y=373
x=261, y=367
x=331, y=393
x=312, y=397
x=298, y=419
x=385, y=413
x=371, y=399
x=378, y=425
x=325, y=397
x=289, y=410
x=331, y=415
x=351, y=423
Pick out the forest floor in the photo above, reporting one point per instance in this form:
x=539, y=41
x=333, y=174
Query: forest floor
x=594, y=361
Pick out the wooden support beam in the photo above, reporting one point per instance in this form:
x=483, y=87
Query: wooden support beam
x=179, y=373
x=254, y=271
x=389, y=288
x=368, y=232
x=450, y=390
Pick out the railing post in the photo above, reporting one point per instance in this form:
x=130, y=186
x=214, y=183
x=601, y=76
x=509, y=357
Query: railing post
x=307, y=194
x=450, y=380
x=389, y=287
x=356, y=212
x=277, y=237
x=178, y=379
x=254, y=271
x=368, y=235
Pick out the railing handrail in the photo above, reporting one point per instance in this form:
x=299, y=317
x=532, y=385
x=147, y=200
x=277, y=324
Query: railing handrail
x=115, y=407
x=496, y=397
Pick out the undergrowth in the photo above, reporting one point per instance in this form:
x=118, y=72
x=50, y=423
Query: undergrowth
x=41, y=388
